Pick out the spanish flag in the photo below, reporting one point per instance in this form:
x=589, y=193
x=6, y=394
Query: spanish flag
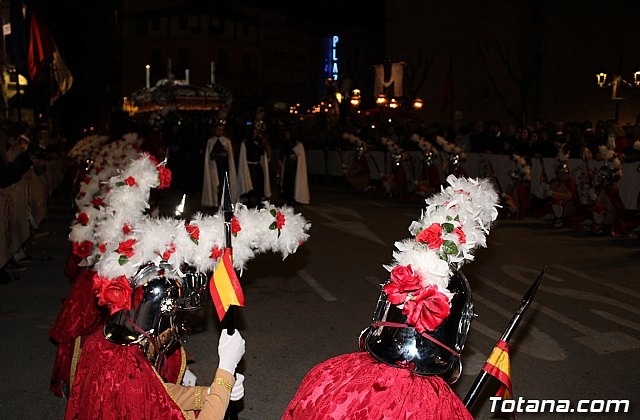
x=224, y=285
x=499, y=366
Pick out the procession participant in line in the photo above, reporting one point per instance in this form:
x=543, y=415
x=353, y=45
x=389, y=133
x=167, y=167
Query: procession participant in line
x=564, y=198
x=608, y=208
x=429, y=181
x=79, y=315
x=294, y=185
x=411, y=351
x=148, y=273
x=253, y=167
x=219, y=159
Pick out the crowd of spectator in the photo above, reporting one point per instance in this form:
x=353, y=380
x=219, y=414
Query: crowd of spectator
x=24, y=151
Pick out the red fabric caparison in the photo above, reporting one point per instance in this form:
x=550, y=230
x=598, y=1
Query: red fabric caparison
x=355, y=386
x=116, y=382
x=79, y=315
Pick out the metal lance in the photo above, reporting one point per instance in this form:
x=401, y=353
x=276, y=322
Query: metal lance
x=483, y=376
x=228, y=322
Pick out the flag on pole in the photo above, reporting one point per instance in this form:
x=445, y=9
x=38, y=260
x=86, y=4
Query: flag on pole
x=61, y=75
x=41, y=45
x=498, y=365
x=224, y=285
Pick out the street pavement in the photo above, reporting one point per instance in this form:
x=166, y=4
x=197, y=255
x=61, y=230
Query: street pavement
x=578, y=340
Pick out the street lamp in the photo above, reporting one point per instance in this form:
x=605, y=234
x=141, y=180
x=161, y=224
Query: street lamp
x=355, y=98
x=381, y=100
x=417, y=104
x=615, y=83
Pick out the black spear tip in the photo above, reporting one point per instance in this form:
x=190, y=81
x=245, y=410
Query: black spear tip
x=528, y=297
x=227, y=205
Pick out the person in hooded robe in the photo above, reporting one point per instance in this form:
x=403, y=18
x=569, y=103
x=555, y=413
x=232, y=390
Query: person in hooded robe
x=294, y=185
x=219, y=160
x=253, y=168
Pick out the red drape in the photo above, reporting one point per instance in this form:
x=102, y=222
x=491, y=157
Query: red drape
x=116, y=382
x=79, y=315
x=354, y=386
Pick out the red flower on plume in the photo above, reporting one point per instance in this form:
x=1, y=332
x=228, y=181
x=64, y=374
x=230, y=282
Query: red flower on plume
x=82, y=218
x=235, y=226
x=193, y=231
x=427, y=309
x=97, y=202
x=153, y=159
x=86, y=179
x=82, y=249
x=126, y=248
x=81, y=194
x=279, y=220
x=164, y=175
x=102, y=248
x=130, y=181
x=461, y=235
x=431, y=236
x=126, y=229
x=216, y=253
x=403, y=281
x=167, y=253
x=114, y=294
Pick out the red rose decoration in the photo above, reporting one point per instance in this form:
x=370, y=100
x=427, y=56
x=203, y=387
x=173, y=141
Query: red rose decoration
x=113, y=294
x=130, y=181
x=461, y=236
x=82, y=249
x=97, y=202
x=170, y=250
x=102, y=248
x=126, y=248
x=427, y=309
x=164, y=175
x=193, y=231
x=279, y=220
x=431, y=236
x=216, y=253
x=126, y=229
x=403, y=281
x=82, y=218
x=235, y=226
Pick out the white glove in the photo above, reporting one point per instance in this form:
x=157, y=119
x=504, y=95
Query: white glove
x=238, y=388
x=230, y=350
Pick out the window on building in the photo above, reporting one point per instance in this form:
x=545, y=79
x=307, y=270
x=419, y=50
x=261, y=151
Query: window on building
x=215, y=25
x=246, y=65
x=223, y=62
x=141, y=27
